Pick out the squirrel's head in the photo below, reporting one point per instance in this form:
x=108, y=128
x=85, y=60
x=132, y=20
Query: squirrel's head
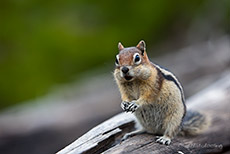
x=131, y=62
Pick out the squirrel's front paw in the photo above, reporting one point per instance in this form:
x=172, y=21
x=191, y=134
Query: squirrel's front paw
x=129, y=106
x=124, y=105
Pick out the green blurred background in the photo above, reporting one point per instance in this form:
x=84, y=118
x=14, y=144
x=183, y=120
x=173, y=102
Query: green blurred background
x=47, y=43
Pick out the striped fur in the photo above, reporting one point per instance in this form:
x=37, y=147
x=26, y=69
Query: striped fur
x=166, y=73
x=171, y=77
x=155, y=96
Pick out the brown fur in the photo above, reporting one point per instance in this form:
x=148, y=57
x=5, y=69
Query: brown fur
x=161, y=109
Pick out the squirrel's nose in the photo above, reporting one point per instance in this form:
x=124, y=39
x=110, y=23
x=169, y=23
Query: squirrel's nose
x=125, y=69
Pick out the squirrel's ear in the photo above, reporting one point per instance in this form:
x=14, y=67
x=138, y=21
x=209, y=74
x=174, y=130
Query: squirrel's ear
x=141, y=46
x=120, y=46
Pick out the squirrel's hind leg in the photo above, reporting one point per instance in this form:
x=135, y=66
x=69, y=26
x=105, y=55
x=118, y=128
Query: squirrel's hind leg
x=172, y=126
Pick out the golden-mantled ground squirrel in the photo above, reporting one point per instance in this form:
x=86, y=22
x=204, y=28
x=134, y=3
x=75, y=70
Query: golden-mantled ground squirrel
x=155, y=96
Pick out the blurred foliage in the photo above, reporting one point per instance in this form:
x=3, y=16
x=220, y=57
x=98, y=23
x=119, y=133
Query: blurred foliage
x=43, y=43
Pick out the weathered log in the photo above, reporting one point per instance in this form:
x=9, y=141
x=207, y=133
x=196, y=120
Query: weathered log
x=214, y=101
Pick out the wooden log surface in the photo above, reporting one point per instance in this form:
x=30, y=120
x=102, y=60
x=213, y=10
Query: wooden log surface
x=214, y=101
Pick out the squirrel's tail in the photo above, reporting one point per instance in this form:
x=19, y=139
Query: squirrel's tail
x=194, y=123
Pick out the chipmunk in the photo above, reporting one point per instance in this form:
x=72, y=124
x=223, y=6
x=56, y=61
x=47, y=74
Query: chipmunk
x=155, y=96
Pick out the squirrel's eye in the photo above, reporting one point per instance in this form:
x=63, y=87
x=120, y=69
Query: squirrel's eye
x=117, y=60
x=137, y=58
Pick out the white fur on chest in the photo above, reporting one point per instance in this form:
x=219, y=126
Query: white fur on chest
x=132, y=90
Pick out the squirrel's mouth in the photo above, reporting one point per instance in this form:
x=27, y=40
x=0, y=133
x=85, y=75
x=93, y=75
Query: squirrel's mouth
x=127, y=77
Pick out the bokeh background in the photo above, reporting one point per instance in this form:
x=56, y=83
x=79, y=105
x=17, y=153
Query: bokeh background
x=56, y=59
